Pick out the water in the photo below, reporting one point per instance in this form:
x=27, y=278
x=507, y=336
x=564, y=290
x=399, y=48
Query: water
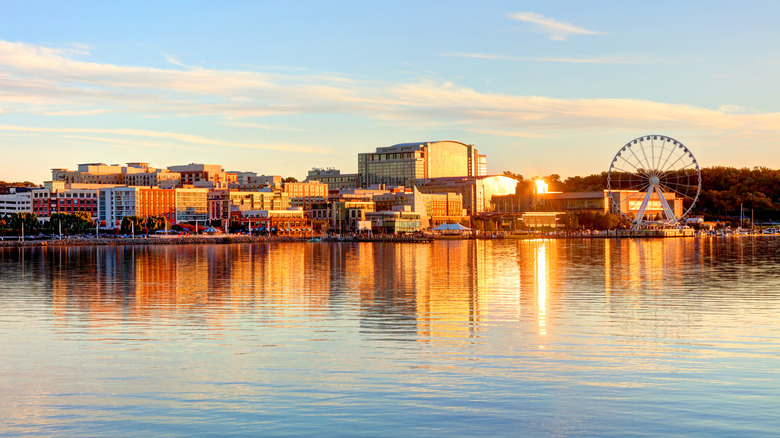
x=675, y=337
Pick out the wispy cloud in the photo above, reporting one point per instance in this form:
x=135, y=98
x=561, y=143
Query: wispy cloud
x=557, y=30
x=39, y=80
x=508, y=133
x=265, y=126
x=478, y=56
x=602, y=60
x=169, y=136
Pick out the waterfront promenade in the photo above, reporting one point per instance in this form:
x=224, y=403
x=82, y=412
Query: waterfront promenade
x=204, y=239
x=178, y=240
x=242, y=238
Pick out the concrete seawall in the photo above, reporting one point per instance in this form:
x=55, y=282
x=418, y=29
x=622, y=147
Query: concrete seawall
x=222, y=239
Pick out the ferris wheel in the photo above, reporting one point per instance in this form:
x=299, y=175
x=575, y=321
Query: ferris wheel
x=654, y=179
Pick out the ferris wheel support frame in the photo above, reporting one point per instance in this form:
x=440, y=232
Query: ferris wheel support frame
x=654, y=188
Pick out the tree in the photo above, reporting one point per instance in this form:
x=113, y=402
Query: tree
x=589, y=183
x=570, y=221
x=70, y=223
x=132, y=224
x=25, y=220
x=587, y=219
x=290, y=179
x=516, y=176
x=59, y=222
x=479, y=223
x=320, y=225
x=154, y=223
x=82, y=222
x=18, y=184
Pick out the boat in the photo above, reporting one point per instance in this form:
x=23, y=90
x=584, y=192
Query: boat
x=314, y=239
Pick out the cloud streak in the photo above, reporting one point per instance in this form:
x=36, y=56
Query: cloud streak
x=49, y=82
x=556, y=30
x=187, y=139
x=602, y=60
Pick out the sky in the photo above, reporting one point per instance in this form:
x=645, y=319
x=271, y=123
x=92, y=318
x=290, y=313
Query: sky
x=278, y=88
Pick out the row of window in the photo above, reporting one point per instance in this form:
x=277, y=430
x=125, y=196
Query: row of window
x=394, y=156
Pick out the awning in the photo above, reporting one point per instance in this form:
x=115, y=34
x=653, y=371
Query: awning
x=451, y=227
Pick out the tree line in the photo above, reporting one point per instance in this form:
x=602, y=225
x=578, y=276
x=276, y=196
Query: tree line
x=724, y=190
x=59, y=223
x=80, y=222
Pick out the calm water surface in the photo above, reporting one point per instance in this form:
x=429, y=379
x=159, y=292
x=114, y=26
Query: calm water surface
x=676, y=337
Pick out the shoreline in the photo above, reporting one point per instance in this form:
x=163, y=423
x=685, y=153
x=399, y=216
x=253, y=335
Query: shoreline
x=115, y=241
x=224, y=240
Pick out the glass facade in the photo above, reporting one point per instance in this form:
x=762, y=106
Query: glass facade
x=479, y=193
x=191, y=205
x=402, y=164
x=448, y=158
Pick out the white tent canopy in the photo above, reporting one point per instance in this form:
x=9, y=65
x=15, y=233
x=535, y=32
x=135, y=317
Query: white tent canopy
x=451, y=227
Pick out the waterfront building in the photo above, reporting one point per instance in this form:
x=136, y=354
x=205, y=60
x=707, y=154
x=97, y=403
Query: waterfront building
x=305, y=194
x=68, y=198
x=342, y=214
x=405, y=163
x=89, y=173
x=630, y=201
x=521, y=201
x=191, y=204
x=439, y=207
x=363, y=194
x=153, y=201
x=9, y=190
x=334, y=178
x=398, y=221
x=251, y=181
x=140, y=174
x=292, y=221
x=133, y=174
x=20, y=202
x=204, y=175
x=542, y=219
x=244, y=177
x=116, y=203
x=478, y=192
x=227, y=204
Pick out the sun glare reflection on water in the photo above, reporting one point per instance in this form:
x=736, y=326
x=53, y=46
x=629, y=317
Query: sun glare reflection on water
x=541, y=286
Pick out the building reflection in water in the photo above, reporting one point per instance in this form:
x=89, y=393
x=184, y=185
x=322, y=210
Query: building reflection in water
x=447, y=290
x=540, y=262
x=436, y=291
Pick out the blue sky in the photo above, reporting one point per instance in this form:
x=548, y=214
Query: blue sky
x=281, y=87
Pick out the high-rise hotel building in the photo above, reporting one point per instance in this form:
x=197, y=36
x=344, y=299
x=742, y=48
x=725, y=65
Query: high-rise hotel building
x=404, y=163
